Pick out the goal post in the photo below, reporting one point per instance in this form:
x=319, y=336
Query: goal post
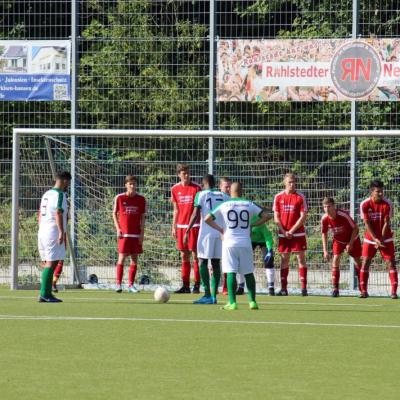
x=323, y=161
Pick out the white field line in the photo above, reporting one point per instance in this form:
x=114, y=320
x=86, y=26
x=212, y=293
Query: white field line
x=188, y=301
x=197, y=321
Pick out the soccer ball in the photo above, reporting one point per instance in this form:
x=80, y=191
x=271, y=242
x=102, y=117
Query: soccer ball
x=161, y=295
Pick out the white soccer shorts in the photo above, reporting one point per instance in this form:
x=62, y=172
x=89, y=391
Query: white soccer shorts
x=238, y=260
x=209, y=247
x=49, y=249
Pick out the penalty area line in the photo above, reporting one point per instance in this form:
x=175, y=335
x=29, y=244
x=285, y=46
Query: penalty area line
x=196, y=321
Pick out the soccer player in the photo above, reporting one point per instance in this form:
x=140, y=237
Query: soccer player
x=182, y=197
x=237, y=253
x=209, y=245
x=376, y=211
x=225, y=187
x=290, y=212
x=52, y=233
x=129, y=216
x=345, y=237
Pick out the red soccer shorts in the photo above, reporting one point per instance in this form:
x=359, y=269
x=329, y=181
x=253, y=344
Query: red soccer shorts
x=369, y=250
x=338, y=248
x=191, y=244
x=129, y=245
x=294, y=245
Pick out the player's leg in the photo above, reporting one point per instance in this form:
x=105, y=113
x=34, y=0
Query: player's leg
x=216, y=277
x=240, y=282
x=356, y=252
x=230, y=265
x=119, y=272
x=56, y=275
x=388, y=254
x=196, y=271
x=268, y=257
x=132, y=274
x=368, y=252
x=301, y=258
x=285, y=257
x=357, y=270
x=246, y=268
x=225, y=285
x=205, y=280
x=335, y=274
x=185, y=257
x=46, y=281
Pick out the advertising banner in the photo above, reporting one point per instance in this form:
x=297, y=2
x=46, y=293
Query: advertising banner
x=35, y=70
x=308, y=70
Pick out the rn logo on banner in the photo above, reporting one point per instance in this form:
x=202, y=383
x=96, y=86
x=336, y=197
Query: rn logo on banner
x=356, y=69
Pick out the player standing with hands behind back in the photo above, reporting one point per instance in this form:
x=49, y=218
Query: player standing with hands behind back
x=237, y=252
x=290, y=212
x=129, y=218
x=52, y=233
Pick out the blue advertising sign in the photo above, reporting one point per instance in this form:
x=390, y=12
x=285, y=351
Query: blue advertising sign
x=35, y=70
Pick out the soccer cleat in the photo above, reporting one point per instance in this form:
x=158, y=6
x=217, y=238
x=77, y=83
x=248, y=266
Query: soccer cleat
x=118, y=289
x=253, y=305
x=54, y=288
x=196, y=288
x=394, y=296
x=225, y=292
x=214, y=300
x=271, y=291
x=240, y=290
x=335, y=293
x=304, y=292
x=204, y=300
x=183, y=289
x=363, y=295
x=230, y=307
x=51, y=299
x=133, y=289
x=282, y=292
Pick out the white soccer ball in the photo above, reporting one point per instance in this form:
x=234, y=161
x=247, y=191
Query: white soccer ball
x=161, y=295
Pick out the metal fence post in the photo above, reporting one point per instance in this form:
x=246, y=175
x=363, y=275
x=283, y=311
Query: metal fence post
x=353, y=148
x=211, y=90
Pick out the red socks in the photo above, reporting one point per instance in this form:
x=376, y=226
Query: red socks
x=393, y=276
x=58, y=270
x=284, y=275
x=186, y=273
x=132, y=274
x=224, y=285
x=196, y=272
x=364, y=275
x=120, y=273
x=335, y=278
x=303, y=277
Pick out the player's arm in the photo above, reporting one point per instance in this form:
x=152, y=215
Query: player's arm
x=264, y=217
x=60, y=225
x=193, y=218
x=174, y=219
x=116, y=221
x=370, y=230
x=142, y=225
x=277, y=220
x=354, y=234
x=324, y=236
x=299, y=223
x=386, y=227
x=210, y=220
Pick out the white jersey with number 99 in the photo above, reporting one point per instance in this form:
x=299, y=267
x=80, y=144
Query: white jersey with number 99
x=236, y=214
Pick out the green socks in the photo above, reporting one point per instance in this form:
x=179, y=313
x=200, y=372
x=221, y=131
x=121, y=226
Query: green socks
x=215, y=277
x=205, y=277
x=231, y=283
x=251, y=287
x=47, y=279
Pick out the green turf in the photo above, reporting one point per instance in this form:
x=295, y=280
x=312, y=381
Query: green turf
x=153, y=358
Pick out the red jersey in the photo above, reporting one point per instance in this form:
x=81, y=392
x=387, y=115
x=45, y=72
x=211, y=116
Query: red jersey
x=376, y=213
x=130, y=210
x=184, y=197
x=342, y=226
x=289, y=206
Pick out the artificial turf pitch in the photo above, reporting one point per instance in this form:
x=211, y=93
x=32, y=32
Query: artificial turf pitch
x=103, y=345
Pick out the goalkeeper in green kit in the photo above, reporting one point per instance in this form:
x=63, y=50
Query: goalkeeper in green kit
x=261, y=237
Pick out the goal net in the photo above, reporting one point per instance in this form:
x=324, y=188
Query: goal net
x=327, y=163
